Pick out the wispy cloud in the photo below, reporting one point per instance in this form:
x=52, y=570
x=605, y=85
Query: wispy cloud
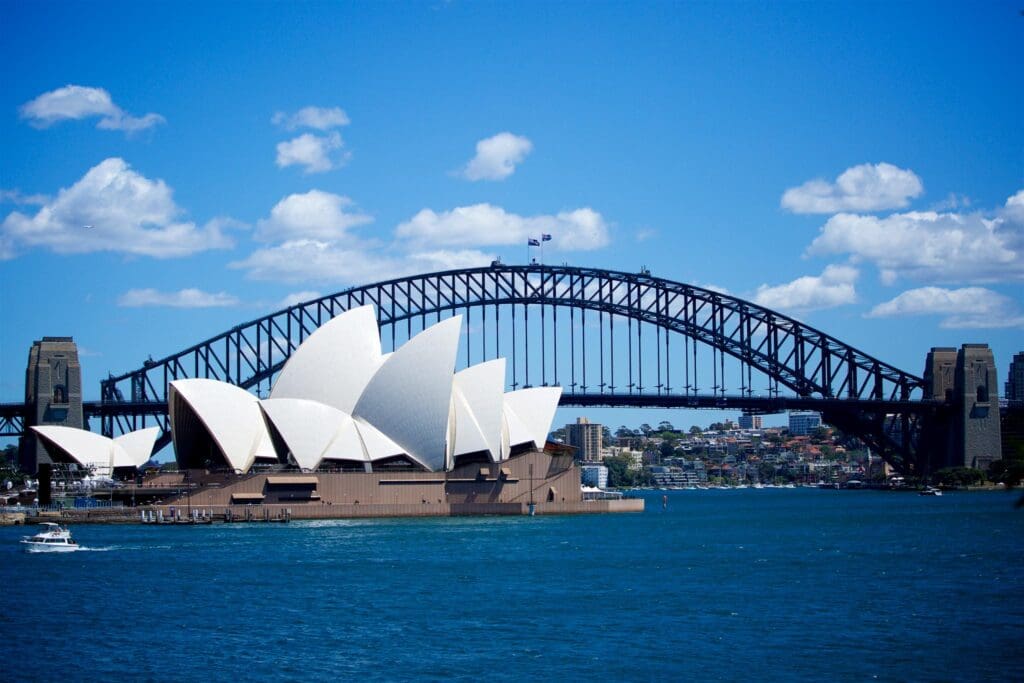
x=317, y=261
x=298, y=298
x=867, y=187
x=184, y=298
x=74, y=102
x=318, y=118
x=969, y=307
x=113, y=208
x=497, y=157
x=15, y=196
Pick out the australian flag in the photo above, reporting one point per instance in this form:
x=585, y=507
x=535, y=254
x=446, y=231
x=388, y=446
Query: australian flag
x=532, y=242
x=545, y=238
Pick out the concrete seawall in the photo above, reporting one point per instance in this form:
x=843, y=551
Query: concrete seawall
x=263, y=513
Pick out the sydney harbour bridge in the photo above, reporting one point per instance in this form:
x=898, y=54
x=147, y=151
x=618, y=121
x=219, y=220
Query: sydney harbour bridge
x=608, y=338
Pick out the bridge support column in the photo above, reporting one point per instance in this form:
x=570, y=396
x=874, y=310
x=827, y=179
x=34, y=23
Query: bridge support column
x=53, y=392
x=966, y=432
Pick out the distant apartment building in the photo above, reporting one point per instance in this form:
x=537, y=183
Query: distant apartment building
x=585, y=436
x=594, y=474
x=1015, y=379
x=750, y=422
x=803, y=423
x=636, y=459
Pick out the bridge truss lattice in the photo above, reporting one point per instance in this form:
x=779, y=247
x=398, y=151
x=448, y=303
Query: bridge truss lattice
x=607, y=337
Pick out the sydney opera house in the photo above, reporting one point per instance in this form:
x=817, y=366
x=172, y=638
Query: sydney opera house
x=348, y=430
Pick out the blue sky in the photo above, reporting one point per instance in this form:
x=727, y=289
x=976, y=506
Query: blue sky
x=859, y=166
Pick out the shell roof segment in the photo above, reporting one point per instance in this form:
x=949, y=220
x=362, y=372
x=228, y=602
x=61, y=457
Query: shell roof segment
x=409, y=398
x=534, y=409
x=307, y=427
x=231, y=415
x=95, y=450
x=335, y=363
x=479, y=399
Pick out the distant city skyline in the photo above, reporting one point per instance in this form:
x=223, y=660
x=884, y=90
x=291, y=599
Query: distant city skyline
x=171, y=171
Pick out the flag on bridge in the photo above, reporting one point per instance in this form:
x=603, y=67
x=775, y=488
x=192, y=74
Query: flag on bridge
x=532, y=242
x=545, y=238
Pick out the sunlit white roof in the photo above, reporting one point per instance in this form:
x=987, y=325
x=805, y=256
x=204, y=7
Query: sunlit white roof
x=409, y=397
x=477, y=407
x=347, y=443
x=89, y=449
x=231, y=415
x=529, y=413
x=334, y=364
x=377, y=444
x=137, y=446
x=307, y=427
x=83, y=447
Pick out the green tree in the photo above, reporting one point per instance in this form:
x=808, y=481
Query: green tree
x=619, y=474
x=959, y=476
x=665, y=426
x=1009, y=472
x=695, y=430
x=666, y=449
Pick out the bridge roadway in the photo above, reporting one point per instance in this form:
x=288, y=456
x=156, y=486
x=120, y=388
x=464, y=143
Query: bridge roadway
x=13, y=414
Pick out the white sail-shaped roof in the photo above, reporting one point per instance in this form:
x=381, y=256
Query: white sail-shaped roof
x=136, y=447
x=307, y=427
x=97, y=451
x=477, y=407
x=409, y=397
x=347, y=443
x=84, y=447
x=515, y=431
x=535, y=410
x=376, y=444
x=334, y=364
x=231, y=415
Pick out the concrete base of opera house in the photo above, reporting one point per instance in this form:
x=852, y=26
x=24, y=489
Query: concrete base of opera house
x=548, y=481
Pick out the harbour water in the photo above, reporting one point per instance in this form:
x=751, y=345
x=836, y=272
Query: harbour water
x=731, y=585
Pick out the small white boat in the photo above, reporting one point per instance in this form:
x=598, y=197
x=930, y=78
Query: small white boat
x=52, y=539
x=930, y=491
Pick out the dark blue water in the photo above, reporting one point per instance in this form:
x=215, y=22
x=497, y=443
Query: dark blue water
x=725, y=585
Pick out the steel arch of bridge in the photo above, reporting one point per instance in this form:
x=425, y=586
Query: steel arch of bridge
x=791, y=354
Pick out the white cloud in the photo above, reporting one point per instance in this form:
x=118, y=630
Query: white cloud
x=113, y=208
x=314, y=215
x=80, y=102
x=331, y=263
x=867, y=187
x=644, y=234
x=319, y=118
x=834, y=287
x=969, y=307
x=185, y=298
x=15, y=196
x=298, y=298
x=931, y=246
x=484, y=224
x=314, y=152
x=497, y=156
